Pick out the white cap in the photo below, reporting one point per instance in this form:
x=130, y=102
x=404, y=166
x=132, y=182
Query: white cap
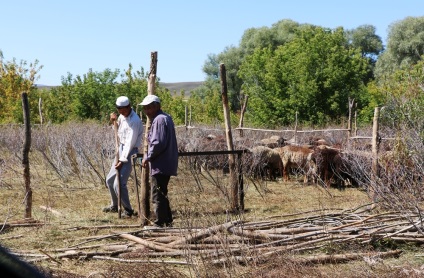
x=122, y=101
x=149, y=99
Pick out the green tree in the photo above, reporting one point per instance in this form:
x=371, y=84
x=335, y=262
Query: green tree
x=365, y=39
x=404, y=93
x=211, y=67
x=195, y=107
x=370, y=45
x=405, y=46
x=232, y=58
x=206, y=103
x=279, y=34
x=16, y=78
x=371, y=97
x=314, y=74
x=57, y=104
x=176, y=108
x=133, y=85
x=93, y=95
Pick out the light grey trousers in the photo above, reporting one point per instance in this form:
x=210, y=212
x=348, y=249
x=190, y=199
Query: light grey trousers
x=112, y=181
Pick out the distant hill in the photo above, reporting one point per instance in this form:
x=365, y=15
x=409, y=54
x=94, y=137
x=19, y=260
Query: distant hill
x=41, y=86
x=179, y=86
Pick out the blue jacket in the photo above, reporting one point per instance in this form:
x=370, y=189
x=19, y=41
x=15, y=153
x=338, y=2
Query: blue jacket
x=162, y=150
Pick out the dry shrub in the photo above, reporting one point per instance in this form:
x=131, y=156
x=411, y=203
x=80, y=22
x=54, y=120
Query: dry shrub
x=74, y=150
x=399, y=183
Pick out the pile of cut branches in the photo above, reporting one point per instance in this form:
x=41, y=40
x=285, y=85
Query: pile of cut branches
x=244, y=241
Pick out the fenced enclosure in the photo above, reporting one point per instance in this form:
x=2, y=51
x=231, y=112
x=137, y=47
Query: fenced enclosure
x=68, y=165
x=82, y=151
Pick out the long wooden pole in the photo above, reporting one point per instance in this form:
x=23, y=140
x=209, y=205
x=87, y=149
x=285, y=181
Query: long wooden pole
x=118, y=174
x=356, y=120
x=25, y=157
x=231, y=157
x=134, y=162
x=375, y=146
x=40, y=105
x=295, y=128
x=243, y=110
x=185, y=116
x=145, y=172
x=189, y=118
x=350, y=120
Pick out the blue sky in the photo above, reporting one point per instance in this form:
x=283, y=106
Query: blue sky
x=75, y=36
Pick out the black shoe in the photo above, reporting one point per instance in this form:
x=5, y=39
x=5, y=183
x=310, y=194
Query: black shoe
x=110, y=209
x=160, y=224
x=127, y=213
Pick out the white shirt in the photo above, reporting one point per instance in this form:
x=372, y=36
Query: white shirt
x=130, y=131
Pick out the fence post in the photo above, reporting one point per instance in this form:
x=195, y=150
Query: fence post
x=350, y=120
x=40, y=105
x=231, y=158
x=375, y=146
x=145, y=172
x=240, y=178
x=189, y=118
x=25, y=158
x=185, y=116
x=356, y=120
x=295, y=128
x=243, y=110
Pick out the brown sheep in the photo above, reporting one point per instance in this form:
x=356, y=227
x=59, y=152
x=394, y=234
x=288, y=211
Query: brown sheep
x=326, y=163
x=265, y=162
x=295, y=157
x=331, y=166
x=206, y=162
x=274, y=141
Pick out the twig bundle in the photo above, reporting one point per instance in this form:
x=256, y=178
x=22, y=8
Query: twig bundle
x=244, y=241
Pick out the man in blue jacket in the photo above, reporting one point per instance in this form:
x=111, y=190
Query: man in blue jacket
x=162, y=155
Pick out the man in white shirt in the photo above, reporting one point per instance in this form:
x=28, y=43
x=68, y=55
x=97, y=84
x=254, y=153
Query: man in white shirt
x=130, y=130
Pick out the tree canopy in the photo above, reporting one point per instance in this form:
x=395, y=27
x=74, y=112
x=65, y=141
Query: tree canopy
x=278, y=35
x=16, y=78
x=405, y=46
x=314, y=74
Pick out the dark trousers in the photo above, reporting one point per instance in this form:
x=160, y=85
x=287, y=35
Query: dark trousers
x=160, y=200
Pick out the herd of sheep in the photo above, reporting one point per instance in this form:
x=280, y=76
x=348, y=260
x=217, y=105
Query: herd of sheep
x=275, y=157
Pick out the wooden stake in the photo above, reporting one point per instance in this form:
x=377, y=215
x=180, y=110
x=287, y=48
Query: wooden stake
x=231, y=157
x=243, y=110
x=375, y=146
x=118, y=174
x=145, y=172
x=25, y=157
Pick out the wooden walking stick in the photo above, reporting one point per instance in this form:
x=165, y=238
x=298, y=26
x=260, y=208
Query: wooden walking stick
x=118, y=176
x=134, y=162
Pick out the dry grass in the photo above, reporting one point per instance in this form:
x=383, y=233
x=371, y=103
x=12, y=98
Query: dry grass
x=76, y=194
